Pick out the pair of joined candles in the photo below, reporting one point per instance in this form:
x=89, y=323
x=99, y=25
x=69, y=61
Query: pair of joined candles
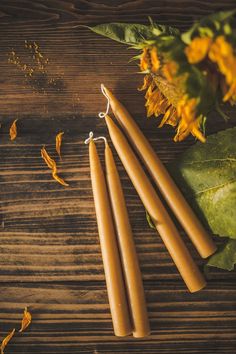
x=160, y=217
x=121, y=267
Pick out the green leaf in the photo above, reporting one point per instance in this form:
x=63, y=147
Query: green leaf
x=206, y=173
x=149, y=220
x=128, y=33
x=165, y=30
x=133, y=33
x=225, y=258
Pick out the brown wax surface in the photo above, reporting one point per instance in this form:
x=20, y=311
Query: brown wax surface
x=200, y=238
x=110, y=254
x=166, y=228
x=128, y=253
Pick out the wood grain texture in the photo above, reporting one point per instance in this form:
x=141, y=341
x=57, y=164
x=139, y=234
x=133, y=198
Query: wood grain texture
x=50, y=257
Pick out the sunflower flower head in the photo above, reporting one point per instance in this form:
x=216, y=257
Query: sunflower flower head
x=197, y=50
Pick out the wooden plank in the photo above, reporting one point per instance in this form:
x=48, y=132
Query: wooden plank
x=76, y=317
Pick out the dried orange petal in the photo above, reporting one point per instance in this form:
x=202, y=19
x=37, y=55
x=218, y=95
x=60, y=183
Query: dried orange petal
x=53, y=166
x=26, y=320
x=13, y=130
x=6, y=340
x=58, y=143
x=49, y=161
x=59, y=179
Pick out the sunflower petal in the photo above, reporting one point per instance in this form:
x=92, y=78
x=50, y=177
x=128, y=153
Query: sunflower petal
x=52, y=165
x=13, y=130
x=58, y=143
x=6, y=340
x=26, y=320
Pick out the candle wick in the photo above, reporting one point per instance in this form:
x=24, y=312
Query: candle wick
x=101, y=137
x=103, y=114
x=87, y=141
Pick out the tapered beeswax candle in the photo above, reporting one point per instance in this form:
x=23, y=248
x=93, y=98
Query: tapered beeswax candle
x=110, y=253
x=128, y=253
x=200, y=238
x=166, y=228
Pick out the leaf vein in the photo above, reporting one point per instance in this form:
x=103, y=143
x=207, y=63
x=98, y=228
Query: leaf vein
x=215, y=187
x=210, y=160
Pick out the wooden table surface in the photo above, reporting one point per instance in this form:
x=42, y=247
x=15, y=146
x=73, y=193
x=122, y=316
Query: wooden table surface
x=50, y=257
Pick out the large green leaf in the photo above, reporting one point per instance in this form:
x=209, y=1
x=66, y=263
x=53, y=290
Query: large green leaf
x=133, y=33
x=206, y=173
x=128, y=33
x=225, y=258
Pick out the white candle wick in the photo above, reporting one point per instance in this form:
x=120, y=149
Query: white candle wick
x=87, y=141
x=103, y=114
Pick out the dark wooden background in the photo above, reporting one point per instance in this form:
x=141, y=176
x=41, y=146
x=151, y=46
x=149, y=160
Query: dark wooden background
x=50, y=258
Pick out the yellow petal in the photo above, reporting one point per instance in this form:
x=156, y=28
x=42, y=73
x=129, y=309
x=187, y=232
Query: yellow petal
x=154, y=59
x=53, y=166
x=6, y=340
x=13, y=130
x=58, y=143
x=26, y=320
x=59, y=179
x=144, y=60
x=231, y=92
x=222, y=53
x=170, y=117
x=197, y=50
x=185, y=128
x=146, y=83
x=49, y=161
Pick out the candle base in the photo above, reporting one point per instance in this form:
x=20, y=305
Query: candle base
x=141, y=334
